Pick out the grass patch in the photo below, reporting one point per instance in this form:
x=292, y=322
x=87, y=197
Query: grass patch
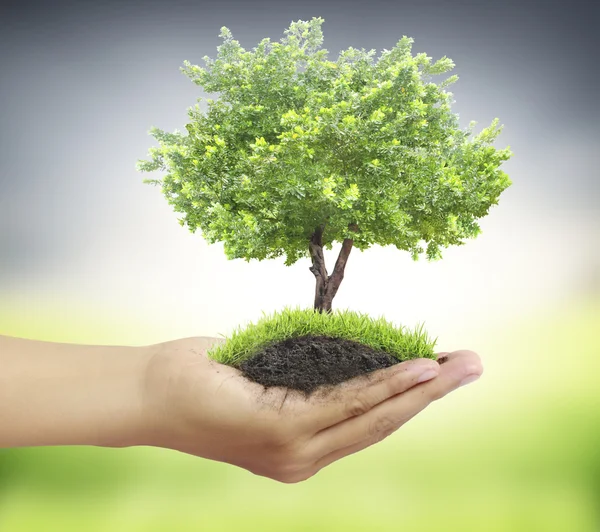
x=378, y=333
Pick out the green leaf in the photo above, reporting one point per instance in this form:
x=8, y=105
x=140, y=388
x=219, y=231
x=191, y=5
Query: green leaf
x=292, y=140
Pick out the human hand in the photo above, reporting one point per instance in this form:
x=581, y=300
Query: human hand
x=200, y=407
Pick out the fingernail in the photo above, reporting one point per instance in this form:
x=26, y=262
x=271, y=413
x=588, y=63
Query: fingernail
x=468, y=380
x=428, y=375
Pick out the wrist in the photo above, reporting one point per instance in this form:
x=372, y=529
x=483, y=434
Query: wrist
x=127, y=401
x=164, y=390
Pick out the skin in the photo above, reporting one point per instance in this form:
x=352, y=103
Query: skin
x=172, y=395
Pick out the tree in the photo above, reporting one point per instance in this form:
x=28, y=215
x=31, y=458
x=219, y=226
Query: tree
x=299, y=152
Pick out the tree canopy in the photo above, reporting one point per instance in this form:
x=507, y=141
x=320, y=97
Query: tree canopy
x=366, y=148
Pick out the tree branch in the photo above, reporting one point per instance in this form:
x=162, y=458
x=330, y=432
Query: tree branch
x=340, y=264
x=316, y=251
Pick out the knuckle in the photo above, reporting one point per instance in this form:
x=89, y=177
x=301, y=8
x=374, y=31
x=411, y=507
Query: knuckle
x=384, y=434
x=382, y=425
x=358, y=406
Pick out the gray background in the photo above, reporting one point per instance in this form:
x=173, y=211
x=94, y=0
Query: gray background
x=82, y=82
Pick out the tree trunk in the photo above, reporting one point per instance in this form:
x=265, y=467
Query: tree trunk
x=327, y=285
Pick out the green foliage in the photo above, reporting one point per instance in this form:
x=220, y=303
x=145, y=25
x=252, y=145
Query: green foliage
x=291, y=322
x=295, y=141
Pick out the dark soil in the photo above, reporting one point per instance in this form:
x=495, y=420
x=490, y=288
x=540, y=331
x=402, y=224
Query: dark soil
x=306, y=362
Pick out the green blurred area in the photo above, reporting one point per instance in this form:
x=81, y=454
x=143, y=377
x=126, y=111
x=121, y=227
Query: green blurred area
x=517, y=451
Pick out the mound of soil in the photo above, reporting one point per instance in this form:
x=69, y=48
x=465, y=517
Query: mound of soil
x=306, y=362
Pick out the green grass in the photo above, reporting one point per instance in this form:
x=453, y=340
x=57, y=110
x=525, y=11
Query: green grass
x=377, y=333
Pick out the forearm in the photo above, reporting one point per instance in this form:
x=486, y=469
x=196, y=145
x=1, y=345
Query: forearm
x=66, y=394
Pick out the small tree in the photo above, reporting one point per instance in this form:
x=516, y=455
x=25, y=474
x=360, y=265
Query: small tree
x=299, y=152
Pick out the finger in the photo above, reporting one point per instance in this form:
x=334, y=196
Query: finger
x=359, y=395
x=356, y=447
x=389, y=415
x=338, y=454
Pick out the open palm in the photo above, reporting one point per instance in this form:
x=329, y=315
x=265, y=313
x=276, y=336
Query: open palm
x=210, y=410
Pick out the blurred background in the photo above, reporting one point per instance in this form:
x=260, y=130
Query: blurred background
x=90, y=254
